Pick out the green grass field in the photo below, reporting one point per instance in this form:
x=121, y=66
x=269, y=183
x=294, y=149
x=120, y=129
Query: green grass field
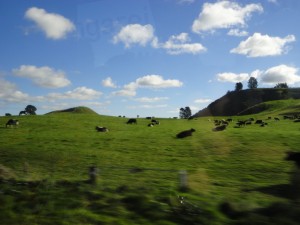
x=44, y=166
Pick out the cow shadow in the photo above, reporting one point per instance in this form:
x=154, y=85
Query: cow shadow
x=279, y=190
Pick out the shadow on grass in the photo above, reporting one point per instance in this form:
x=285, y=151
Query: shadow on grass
x=280, y=190
x=79, y=202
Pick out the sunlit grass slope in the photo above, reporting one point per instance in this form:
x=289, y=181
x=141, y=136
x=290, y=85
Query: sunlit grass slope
x=138, y=168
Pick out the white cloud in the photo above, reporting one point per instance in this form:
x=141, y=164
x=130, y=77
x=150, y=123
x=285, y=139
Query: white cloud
x=185, y=1
x=10, y=93
x=135, y=34
x=237, y=33
x=280, y=74
x=53, y=25
x=156, y=81
x=108, y=82
x=151, y=100
x=125, y=93
x=202, y=100
x=179, y=44
x=260, y=45
x=273, y=1
x=148, y=106
x=142, y=35
x=232, y=77
x=43, y=76
x=223, y=14
x=148, y=81
x=80, y=93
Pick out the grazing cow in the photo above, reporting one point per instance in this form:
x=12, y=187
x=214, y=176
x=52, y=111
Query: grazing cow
x=155, y=122
x=240, y=123
x=22, y=113
x=293, y=156
x=150, y=125
x=220, y=128
x=12, y=122
x=185, y=133
x=132, y=121
x=276, y=118
x=258, y=122
x=101, y=129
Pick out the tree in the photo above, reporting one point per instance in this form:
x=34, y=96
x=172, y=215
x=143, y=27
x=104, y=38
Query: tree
x=30, y=109
x=238, y=86
x=252, y=83
x=185, y=113
x=281, y=85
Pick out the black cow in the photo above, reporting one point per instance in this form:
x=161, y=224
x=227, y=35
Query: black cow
x=293, y=156
x=185, y=133
x=220, y=128
x=12, y=122
x=101, y=129
x=155, y=122
x=132, y=121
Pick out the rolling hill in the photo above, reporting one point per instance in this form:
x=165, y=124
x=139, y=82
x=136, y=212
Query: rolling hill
x=238, y=102
x=79, y=109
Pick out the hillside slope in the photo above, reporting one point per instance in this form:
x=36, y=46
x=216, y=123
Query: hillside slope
x=79, y=109
x=235, y=102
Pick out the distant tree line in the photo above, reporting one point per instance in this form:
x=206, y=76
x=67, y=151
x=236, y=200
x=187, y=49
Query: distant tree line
x=253, y=84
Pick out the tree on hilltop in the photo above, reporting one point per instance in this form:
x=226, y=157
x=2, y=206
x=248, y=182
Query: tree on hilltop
x=30, y=109
x=281, y=85
x=185, y=113
x=238, y=86
x=252, y=83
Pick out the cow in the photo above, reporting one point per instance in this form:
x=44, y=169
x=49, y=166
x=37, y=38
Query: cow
x=241, y=123
x=12, y=122
x=259, y=122
x=155, y=122
x=276, y=118
x=22, y=113
x=185, y=133
x=101, y=129
x=220, y=128
x=132, y=121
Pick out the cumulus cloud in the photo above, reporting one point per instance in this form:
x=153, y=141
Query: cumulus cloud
x=223, y=14
x=151, y=100
x=237, y=33
x=202, y=100
x=43, y=76
x=232, y=77
x=134, y=34
x=55, y=26
x=148, y=81
x=156, y=81
x=259, y=45
x=185, y=1
x=280, y=74
x=10, y=93
x=272, y=76
x=179, y=44
x=80, y=93
x=108, y=82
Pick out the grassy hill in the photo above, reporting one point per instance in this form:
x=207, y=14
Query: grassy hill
x=235, y=102
x=79, y=109
x=44, y=167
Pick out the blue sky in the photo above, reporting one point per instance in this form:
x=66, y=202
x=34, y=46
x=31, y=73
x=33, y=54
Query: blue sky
x=142, y=57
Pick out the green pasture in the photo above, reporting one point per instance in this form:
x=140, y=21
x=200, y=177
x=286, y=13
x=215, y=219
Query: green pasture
x=44, y=166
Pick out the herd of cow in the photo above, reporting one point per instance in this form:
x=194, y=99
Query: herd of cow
x=220, y=125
